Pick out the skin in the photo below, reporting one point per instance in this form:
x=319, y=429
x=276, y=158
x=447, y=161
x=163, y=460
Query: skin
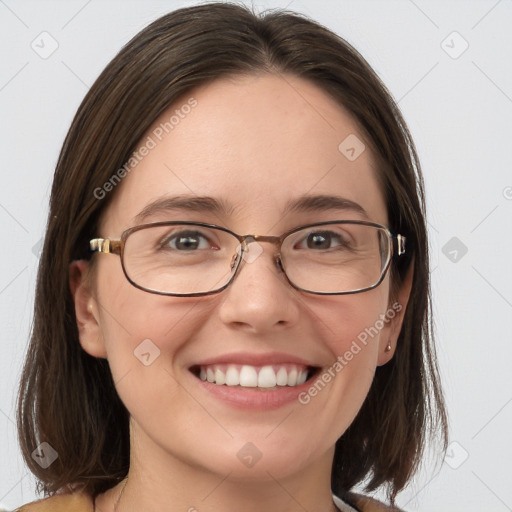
x=255, y=142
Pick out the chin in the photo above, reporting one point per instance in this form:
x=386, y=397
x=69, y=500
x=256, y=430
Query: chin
x=260, y=460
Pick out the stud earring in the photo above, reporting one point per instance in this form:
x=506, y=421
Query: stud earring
x=388, y=347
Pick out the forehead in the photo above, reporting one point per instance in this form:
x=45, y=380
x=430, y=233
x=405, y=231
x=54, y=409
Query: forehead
x=255, y=144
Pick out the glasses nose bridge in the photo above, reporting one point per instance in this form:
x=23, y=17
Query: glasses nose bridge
x=276, y=240
x=245, y=240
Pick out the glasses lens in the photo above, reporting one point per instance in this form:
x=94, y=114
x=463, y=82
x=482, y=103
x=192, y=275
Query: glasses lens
x=180, y=259
x=336, y=258
x=185, y=259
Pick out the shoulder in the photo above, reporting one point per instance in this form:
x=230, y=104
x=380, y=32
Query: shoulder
x=74, y=502
x=78, y=502
x=367, y=504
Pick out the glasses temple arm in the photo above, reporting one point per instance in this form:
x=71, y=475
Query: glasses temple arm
x=400, y=245
x=105, y=245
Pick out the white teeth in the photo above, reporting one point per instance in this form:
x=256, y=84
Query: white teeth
x=253, y=376
x=220, y=378
x=302, y=378
x=267, y=377
x=292, y=377
x=248, y=377
x=232, y=376
x=281, y=377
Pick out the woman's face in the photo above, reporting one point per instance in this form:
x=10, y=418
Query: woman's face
x=255, y=144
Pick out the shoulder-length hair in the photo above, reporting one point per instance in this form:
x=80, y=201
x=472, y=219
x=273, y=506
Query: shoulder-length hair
x=67, y=398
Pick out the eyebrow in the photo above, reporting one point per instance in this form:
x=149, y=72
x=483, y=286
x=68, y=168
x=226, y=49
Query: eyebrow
x=320, y=203
x=207, y=204
x=191, y=203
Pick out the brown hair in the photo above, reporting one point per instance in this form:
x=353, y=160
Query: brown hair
x=67, y=397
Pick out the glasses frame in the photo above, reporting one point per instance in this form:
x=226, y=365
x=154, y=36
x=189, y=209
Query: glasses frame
x=109, y=246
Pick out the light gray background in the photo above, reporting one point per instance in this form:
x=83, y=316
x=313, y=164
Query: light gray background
x=460, y=113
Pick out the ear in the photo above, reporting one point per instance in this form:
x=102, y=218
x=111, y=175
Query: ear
x=86, y=310
x=395, y=317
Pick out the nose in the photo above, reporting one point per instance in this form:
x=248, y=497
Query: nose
x=260, y=298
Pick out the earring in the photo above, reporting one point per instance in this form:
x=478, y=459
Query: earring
x=388, y=347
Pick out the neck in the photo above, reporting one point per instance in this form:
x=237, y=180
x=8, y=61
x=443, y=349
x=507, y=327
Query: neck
x=159, y=481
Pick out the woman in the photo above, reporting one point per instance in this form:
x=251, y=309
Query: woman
x=232, y=303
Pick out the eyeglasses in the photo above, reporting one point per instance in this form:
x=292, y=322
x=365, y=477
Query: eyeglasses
x=190, y=259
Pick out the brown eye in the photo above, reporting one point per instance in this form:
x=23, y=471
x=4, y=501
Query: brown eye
x=319, y=241
x=186, y=241
x=323, y=240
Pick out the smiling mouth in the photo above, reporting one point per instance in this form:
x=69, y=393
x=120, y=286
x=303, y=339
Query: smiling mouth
x=267, y=378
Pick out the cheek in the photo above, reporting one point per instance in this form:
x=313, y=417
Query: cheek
x=352, y=324
x=351, y=327
x=141, y=330
x=144, y=336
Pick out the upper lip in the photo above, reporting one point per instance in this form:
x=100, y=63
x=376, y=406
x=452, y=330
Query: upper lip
x=264, y=359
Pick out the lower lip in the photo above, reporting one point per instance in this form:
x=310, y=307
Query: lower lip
x=254, y=398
